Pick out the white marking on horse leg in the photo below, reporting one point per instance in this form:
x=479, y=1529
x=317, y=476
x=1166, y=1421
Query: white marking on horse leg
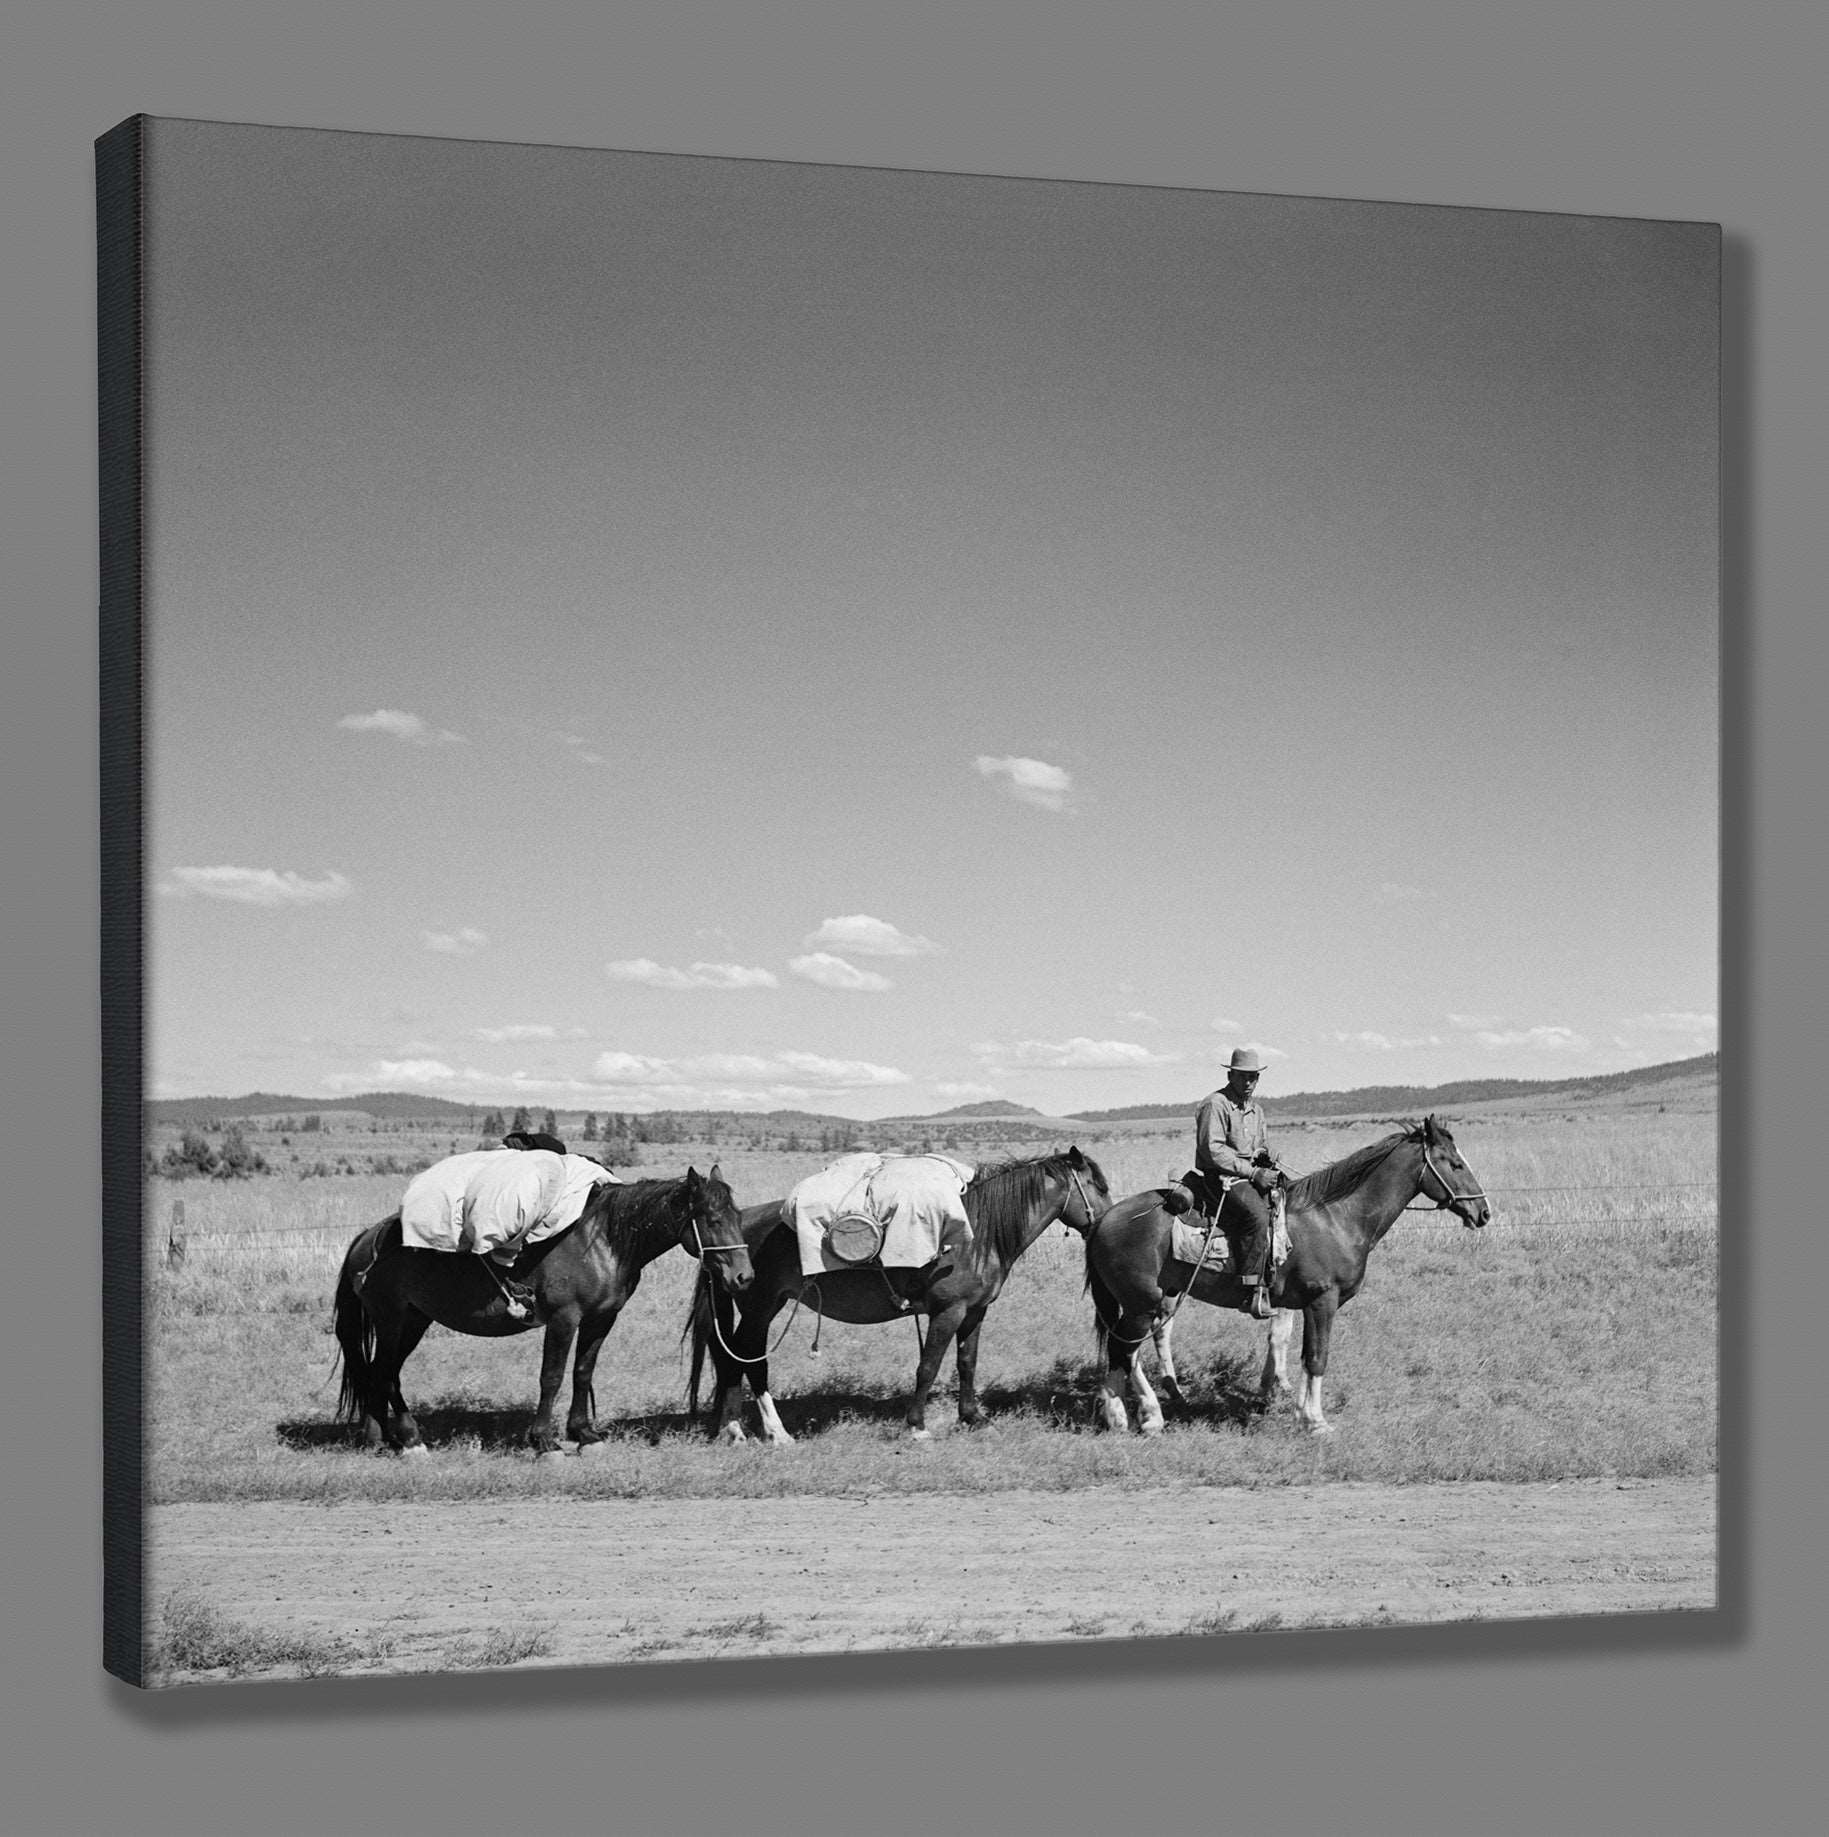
x=1163, y=1333
x=547, y=1456
x=920, y=1435
x=1311, y=1409
x=417, y=1452
x=1111, y=1404
x=772, y=1425
x=731, y=1431
x=1277, y=1344
x=1149, y=1406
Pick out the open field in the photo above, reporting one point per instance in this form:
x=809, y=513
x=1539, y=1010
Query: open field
x=1571, y=1344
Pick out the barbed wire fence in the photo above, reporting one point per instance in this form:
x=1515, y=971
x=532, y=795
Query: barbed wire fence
x=1535, y=1215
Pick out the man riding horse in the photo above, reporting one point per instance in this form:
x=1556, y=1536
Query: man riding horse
x=1237, y=1171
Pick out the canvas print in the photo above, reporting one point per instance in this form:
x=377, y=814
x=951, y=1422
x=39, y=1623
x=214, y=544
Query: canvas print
x=859, y=910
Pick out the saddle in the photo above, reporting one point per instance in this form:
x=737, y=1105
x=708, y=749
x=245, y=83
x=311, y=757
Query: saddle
x=1206, y=1193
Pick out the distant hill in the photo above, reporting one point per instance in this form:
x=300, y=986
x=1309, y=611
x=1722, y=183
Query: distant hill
x=1416, y=1098
x=391, y=1106
x=978, y=1120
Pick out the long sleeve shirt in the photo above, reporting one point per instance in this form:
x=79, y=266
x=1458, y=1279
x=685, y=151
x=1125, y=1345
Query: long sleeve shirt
x=1228, y=1136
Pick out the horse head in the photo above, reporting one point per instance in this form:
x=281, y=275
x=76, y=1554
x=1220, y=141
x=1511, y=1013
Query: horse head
x=1087, y=1192
x=1448, y=1180
x=711, y=1228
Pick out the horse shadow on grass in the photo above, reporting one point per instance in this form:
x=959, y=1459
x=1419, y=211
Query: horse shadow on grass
x=1063, y=1397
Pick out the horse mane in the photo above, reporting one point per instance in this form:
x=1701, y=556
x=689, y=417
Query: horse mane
x=1338, y=1178
x=629, y=1214
x=1000, y=1201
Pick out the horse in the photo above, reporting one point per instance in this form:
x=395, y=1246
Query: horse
x=1009, y=1206
x=1336, y=1217
x=388, y=1295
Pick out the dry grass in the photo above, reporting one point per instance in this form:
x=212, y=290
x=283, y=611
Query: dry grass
x=1575, y=1337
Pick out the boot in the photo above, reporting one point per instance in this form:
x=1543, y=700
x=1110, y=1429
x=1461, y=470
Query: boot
x=1252, y=1275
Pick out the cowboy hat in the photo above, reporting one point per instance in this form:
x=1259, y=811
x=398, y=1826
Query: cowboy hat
x=1245, y=1059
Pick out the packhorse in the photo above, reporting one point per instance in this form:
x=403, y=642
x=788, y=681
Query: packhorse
x=388, y=1294
x=1335, y=1216
x=1009, y=1206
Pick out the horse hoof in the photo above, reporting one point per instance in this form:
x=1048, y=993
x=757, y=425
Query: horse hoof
x=732, y=1435
x=548, y=1455
x=920, y=1435
x=1152, y=1427
x=586, y=1450
x=418, y=1452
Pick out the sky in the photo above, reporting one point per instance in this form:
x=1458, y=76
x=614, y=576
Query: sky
x=632, y=632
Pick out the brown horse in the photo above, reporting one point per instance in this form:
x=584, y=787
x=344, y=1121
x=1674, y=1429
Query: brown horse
x=1009, y=1207
x=581, y=1277
x=1336, y=1217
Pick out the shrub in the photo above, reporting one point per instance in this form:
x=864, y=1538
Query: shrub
x=193, y=1155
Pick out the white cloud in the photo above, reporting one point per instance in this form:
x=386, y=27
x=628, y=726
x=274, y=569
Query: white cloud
x=864, y=936
x=1222, y=1025
x=832, y=972
x=699, y=976
x=1076, y=1054
x=1030, y=781
x=1383, y=1042
x=1678, y=1022
x=732, y=976
x=807, y=1071
x=631, y=1068
x=1535, y=1039
x=402, y=726
x=384, y=1074
x=260, y=886
x=1139, y=1017
x=966, y=1093
x=498, y=1036
x=840, y=1073
x=464, y=943
x=1394, y=893
x=1474, y=1020
x=580, y=749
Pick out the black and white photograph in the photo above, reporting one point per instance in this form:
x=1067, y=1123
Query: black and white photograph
x=884, y=910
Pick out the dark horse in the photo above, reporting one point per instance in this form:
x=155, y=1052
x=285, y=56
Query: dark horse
x=1009, y=1207
x=388, y=1295
x=1336, y=1216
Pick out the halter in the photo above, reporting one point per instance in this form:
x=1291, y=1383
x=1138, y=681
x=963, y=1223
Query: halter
x=1448, y=1204
x=699, y=1248
x=1092, y=1218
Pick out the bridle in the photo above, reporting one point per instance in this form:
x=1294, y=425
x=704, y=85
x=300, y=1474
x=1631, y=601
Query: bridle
x=1451, y=1202
x=700, y=1249
x=1092, y=1217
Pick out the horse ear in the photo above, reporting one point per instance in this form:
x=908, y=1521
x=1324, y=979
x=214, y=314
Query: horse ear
x=1074, y=1156
x=716, y=1172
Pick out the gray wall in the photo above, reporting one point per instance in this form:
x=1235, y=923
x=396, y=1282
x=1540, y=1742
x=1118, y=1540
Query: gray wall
x=1677, y=110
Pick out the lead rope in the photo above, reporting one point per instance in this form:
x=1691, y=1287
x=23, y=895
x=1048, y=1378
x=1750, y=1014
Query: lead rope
x=762, y=1357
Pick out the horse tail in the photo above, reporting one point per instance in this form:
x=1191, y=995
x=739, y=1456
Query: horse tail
x=1105, y=1309
x=698, y=1330
x=355, y=1330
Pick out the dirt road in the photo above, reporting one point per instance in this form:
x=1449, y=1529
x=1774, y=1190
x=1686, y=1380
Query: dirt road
x=416, y=1585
